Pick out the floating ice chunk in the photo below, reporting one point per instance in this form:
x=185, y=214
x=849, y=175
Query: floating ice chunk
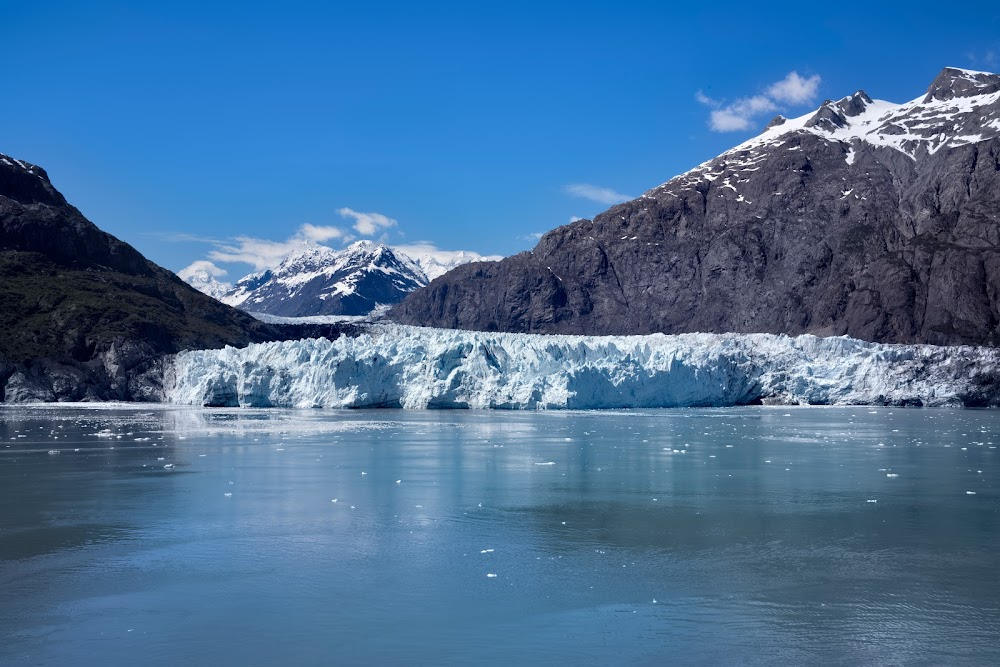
x=970, y=493
x=545, y=463
x=491, y=575
x=228, y=494
x=891, y=474
x=53, y=451
x=486, y=551
x=399, y=481
x=169, y=466
x=871, y=501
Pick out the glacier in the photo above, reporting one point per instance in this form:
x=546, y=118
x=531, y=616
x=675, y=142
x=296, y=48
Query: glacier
x=392, y=365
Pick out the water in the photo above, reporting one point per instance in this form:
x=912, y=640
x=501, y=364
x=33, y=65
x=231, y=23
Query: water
x=757, y=541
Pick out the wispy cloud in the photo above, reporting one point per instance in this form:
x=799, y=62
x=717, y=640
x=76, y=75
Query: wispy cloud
x=183, y=237
x=534, y=236
x=320, y=233
x=575, y=218
x=596, y=193
x=739, y=114
x=265, y=253
x=367, y=224
x=794, y=89
x=987, y=60
x=201, y=266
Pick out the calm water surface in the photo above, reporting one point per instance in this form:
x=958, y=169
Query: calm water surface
x=711, y=536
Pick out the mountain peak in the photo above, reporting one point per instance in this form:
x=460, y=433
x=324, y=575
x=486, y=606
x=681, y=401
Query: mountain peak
x=854, y=105
x=776, y=121
x=955, y=82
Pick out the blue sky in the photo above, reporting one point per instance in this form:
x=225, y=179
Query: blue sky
x=181, y=126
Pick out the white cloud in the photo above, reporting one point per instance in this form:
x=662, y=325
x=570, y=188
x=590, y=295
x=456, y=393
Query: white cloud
x=596, y=193
x=987, y=60
x=260, y=253
x=741, y=113
x=705, y=99
x=575, y=218
x=201, y=266
x=436, y=262
x=267, y=254
x=726, y=120
x=183, y=237
x=320, y=233
x=534, y=236
x=367, y=224
x=794, y=89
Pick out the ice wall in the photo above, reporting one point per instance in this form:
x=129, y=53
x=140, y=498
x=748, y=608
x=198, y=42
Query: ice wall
x=412, y=367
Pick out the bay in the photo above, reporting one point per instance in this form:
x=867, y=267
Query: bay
x=160, y=535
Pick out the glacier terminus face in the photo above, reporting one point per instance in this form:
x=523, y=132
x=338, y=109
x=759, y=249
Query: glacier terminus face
x=412, y=367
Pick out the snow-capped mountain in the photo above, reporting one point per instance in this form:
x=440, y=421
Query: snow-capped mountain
x=202, y=277
x=317, y=280
x=435, y=263
x=411, y=367
x=865, y=217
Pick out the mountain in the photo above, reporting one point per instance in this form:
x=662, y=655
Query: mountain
x=86, y=316
x=435, y=263
x=317, y=280
x=202, y=276
x=867, y=218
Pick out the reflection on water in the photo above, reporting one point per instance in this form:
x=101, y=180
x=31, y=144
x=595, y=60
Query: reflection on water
x=749, y=535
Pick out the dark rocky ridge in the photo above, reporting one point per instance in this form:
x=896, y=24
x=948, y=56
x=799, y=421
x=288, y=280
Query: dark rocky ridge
x=86, y=316
x=893, y=236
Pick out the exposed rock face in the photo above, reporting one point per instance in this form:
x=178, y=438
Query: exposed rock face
x=86, y=316
x=866, y=218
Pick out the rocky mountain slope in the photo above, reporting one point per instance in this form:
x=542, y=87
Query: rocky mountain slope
x=866, y=218
x=86, y=316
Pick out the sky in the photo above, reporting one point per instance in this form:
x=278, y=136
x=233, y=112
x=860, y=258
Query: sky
x=231, y=132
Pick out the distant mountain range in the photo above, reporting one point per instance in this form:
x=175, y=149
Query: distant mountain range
x=317, y=280
x=867, y=218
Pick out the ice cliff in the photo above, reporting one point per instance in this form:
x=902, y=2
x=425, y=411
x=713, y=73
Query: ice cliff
x=412, y=367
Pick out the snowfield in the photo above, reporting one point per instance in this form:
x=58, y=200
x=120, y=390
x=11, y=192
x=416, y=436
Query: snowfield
x=414, y=368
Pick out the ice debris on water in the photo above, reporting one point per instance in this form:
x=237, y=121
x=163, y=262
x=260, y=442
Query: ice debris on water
x=412, y=367
x=545, y=463
x=891, y=475
x=491, y=575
